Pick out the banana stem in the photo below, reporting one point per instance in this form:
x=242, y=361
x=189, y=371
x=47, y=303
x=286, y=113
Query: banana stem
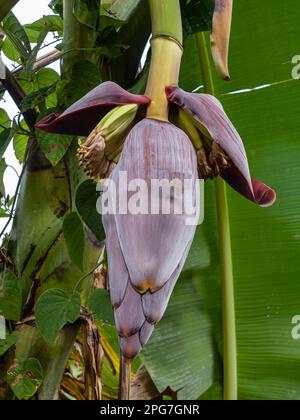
x=166, y=55
x=227, y=281
x=125, y=378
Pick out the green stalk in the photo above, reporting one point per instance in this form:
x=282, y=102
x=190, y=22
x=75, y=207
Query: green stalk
x=228, y=303
x=166, y=18
x=166, y=49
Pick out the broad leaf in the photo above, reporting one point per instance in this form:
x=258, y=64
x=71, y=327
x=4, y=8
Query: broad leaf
x=262, y=101
x=25, y=377
x=20, y=143
x=54, y=146
x=55, y=309
x=8, y=342
x=10, y=296
x=181, y=354
x=99, y=302
x=86, y=204
x=75, y=238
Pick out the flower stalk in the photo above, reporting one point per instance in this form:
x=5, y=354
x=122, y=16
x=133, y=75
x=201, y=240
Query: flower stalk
x=166, y=55
x=227, y=281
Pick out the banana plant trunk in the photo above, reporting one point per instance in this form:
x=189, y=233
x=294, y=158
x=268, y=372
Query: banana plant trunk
x=46, y=196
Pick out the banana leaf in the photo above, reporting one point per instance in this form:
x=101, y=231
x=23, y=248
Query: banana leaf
x=263, y=102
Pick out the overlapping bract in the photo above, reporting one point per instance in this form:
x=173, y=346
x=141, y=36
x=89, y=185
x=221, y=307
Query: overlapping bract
x=83, y=116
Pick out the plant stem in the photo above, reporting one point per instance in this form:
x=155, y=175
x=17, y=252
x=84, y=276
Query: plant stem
x=228, y=303
x=166, y=18
x=125, y=378
x=166, y=55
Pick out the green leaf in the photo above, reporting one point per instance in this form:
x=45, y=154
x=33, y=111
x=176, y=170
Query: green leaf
x=86, y=204
x=37, y=97
x=262, y=101
x=54, y=310
x=99, y=302
x=6, y=131
x=10, y=51
x=8, y=342
x=87, y=12
x=3, y=167
x=181, y=351
x=25, y=377
x=17, y=35
x=33, y=54
x=75, y=238
x=10, y=296
x=116, y=12
x=4, y=120
x=20, y=143
x=57, y=6
x=197, y=16
x=45, y=78
x=51, y=23
x=85, y=76
x=54, y=146
x=5, y=138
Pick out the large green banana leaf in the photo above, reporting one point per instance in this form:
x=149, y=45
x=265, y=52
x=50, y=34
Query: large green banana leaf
x=266, y=247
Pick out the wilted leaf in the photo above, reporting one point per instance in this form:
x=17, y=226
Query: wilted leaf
x=55, y=309
x=25, y=378
x=75, y=238
x=142, y=386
